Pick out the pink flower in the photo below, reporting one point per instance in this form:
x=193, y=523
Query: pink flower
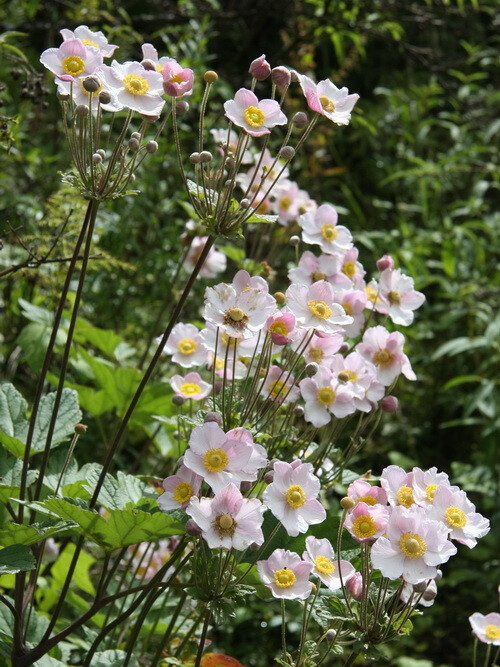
x=258, y=458
x=218, y=459
x=292, y=497
x=150, y=53
x=363, y=492
x=355, y=585
x=179, y=488
x=385, y=262
x=320, y=349
x=385, y=351
x=328, y=100
x=353, y=301
x=320, y=226
x=136, y=88
x=279, y=386
x=455, y=510
x=177, y=81
x=238, y=314
x=185, y=346
x=88, y=37
x=367, y=522
x=486, y=628
x=315, y=307
x=414, y=546
x=426, y=483
x=260, y=69
x=149, y=557
x=289, y=201
x=81, y=96
x=215, y=262
x=190, y=386
x=228, y=521
x=324, y=396
x=243, y=280
x=325, y=267
x=398, y=485
x=281, y=326
x=398, y=297
x=286, y=575
x=71, y=60
x=359, y=376
x=256, y=118
x=320, y=553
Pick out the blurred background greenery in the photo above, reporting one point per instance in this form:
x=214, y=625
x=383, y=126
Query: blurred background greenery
x=414, y=176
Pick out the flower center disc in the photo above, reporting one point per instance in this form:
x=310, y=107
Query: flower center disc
x=394, y=297
x=190, y=388
x=455, y=517
x=412, y=545
x=326, y=395
x=320, y=309
x=317, y=275
x=368, y=500
x=215, y=460
x=135, y=84
x=324, y=565
x=316, y=354
x=295, y=496
x=73, y=65
x=187, y=346
x=364, y=526
x=492, y=632
x=349, y=269
x=430, y=490
x=279, y=327
x=254, y=116
x=328, y=232
x=183, y=492
x=383, y=358
x=405, y=496
x=176, y=78
x=278, y=389
x=285, y=203
x=236, y=314
x=326, y=103
x=284, y=578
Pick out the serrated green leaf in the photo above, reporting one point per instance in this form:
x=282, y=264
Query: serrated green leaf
x=13, y=533
x=112, y=658
x=12, y=411
x=10, y=476
x=16, y=558
x=68, y=415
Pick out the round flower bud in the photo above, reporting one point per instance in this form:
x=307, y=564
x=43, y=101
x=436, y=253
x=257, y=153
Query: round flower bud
x=101, y=152
x=192, y=528
x=298, y=411
x=64, y=97
x=294, y=76
x=149, y=64
x=355, y=585
x=181, y=107
x=104, y=97
x=205, y=156
x=385, y=262
x=176, y=435
x=420, y=587
x=254, y=546
x=91, y=84
x=287, y=152
x=132, y=178
x=213, y=417
x=81, y=110
x=210, y=76
x=389, y=404
x=149, y=119
x=281, y=76
x=194, y=158
x=245, y=486
x=136, y=135
x=331, y=635
x=280, y=298
x=218, y=387
x=269, y=477
x=429, y=593
x=81, y=429
x=439, y=576
x=344, y=348
x=152, y=146
x=300, y=119
x=311, y=369
x=245, y=203
x=96, y=158
x=177, y=400
x=294, y=241
x=259, y=68
x=230, y=162
x=133, y=144
x=347, y=503
x=343, y=377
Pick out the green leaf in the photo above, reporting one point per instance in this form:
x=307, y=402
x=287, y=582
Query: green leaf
x=34, y=339
x=112, y=658
x=104, y=340
x=16, y=558
x=68, y=415
x=236, y=254
x=14, y=533
x=12, y=411
x=269, y=219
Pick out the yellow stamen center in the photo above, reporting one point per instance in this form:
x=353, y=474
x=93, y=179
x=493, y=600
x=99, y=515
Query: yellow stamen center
x=492, y=632
x=135, y=84
x=278, y=389
x=159, y=68
x=320, y=309
x=324, y=565
x=383, y=358
x=176, y=78
x=225, y=521
x=316, y=354
x=190, y=388
x=235, y=314
x=405, y=496
x=229, y=341
x=430, y=490
x=326, y=395
x=328, y=232
x=455, y=518
x=326, y=103
x=215, y=460
x=279, y=327
x=254, y=116
x=347, y=376
x=73, y=65
x=295, y=496
x=364, y=526
x=394, y=297
x=183, y=492
x=412, y=545
x=349, y=269
x=349, y=310
x=219, y=363
x=284, y=578
x=317, y=275
x=89, y=42
x=372, y=294
x=187, y=346
x=368, y=500
x=285, y=203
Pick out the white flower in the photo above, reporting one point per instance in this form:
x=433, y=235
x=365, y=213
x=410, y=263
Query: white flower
x=254, y=116
x=238, y=314
x=398, y=297
x=325, y=396
x=328, y=100
x=88, y=37
x=320, y=553
x=320, y=226
x=185, y=346
x=286, y=575
x=136, y=88
x=315, y=307
x=455, y=510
